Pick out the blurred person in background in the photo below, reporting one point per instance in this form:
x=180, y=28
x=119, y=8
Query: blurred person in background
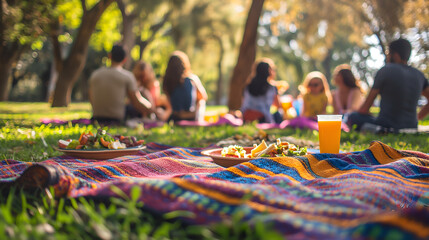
x=315, y=94
x=110, y=86
x=400, y=87
x=184, y=90
x=348, y=96
x=259, y=95
x=150, y=88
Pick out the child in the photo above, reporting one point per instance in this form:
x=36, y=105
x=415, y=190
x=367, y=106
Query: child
x=316, y=95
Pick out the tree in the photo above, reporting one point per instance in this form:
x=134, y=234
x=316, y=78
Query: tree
x=148, y=14
x=71, y=67
x=21, y=26
x=332, y=32
x=246, y=56
x=208, y=28
x=204, y=29
x=319, y=26
x=220, y=28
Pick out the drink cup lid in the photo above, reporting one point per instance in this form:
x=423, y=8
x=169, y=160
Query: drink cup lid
x=329, y=117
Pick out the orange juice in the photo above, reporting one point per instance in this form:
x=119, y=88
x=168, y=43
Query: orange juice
x=286, y=106
x=329, y=135
x=211, y=117
x=286, y=102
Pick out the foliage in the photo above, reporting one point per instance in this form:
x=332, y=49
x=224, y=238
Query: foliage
x=22, y=24
x=300, y=35
x=24, y=21
x=107, y=31
x=26, y=215
x=202, y=29
x=338, y=31
x=159, y=42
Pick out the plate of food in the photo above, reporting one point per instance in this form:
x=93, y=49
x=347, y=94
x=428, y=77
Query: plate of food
x=100, y=145
x=234, y=154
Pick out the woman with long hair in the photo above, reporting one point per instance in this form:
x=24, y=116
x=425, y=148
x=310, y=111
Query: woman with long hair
x=259, y=95
x=149, y=87
x=184, y=89
x=348, y=96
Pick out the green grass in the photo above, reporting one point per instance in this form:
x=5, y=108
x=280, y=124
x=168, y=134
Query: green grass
x=36, y=215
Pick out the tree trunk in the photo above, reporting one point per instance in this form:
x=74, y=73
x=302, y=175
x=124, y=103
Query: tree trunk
x=76, y=60
x=57, y=63
x=4, y=79
x=246, y=56
x=219, y=67
x=128, y=38
x=52, y=81
x=9, y=55
x=327, y=65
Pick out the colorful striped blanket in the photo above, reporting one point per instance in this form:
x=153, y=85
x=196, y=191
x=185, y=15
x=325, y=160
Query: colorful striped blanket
x=378, y=193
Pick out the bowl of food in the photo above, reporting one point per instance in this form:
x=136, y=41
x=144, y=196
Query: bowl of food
x=235, y=154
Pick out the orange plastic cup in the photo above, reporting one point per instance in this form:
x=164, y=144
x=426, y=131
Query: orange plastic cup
x=286, y=106
x=329, y=133
x=286, y=102
x=211, y=117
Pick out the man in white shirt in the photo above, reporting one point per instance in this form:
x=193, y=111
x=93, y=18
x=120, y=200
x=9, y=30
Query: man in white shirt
x=110, y=86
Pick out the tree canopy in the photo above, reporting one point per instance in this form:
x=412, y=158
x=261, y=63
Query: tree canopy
x=300, y=36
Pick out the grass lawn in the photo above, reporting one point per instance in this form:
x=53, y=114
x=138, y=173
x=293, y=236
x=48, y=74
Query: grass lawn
x=38, y=216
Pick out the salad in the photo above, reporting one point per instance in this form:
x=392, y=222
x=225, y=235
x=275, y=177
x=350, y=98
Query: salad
x=100, y=140
x=234, y=151
x=278, y=149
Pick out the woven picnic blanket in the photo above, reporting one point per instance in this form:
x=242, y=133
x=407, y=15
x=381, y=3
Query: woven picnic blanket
x=378, y=193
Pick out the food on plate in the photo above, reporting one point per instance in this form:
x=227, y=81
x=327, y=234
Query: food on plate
x=100, y=140
x=258, y=148
x=234, y=151
x=278, y=149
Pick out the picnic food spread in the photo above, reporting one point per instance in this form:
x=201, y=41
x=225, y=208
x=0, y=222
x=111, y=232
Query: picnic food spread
x=278, y=149
x=100, y=140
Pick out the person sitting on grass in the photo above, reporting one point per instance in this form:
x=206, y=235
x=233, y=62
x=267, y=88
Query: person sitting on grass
x=348, y=96
x=259, y=95
x=315, y=94
x=400, y=87
x=109, y=87
x=184, y=89
x=150, y=88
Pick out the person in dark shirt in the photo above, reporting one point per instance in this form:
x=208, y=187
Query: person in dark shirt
x=184, y=89
x=400, y=87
